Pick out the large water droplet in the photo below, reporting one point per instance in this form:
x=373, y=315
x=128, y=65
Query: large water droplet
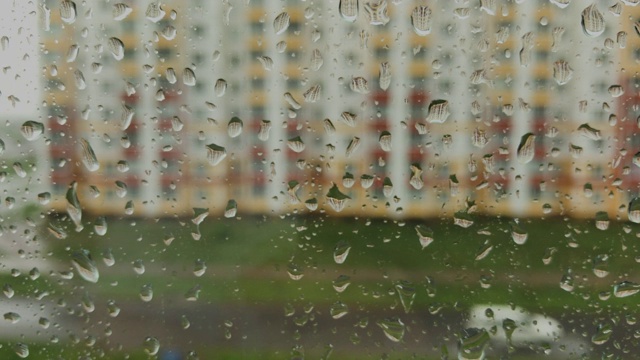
x=121, y=11
x=338, y=310
x=32, y=130
x=425, y=235
x=215, y=154
x=336, y=199
x=407, y=293
x=625, y=288
x=421, y=20
x=592, y=21
x=89, y=158
x=151, y=345
x=472, y=344
x=393, y=328
x=84, y=265
x=22, y=350
x=349, y=9
x=281, y=23
x=68, y=12
x=341, y=251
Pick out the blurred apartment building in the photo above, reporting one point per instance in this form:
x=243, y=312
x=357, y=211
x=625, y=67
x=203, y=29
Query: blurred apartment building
x=434, y=111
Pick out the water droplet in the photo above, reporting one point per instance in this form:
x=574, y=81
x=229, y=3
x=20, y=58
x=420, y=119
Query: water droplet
x=316, y=61
x=341, y=251
x=154, y=12
x=312, y=94
x=84, y=265
x=267, y=62
x=22, y=350
x=32, y=130
x=425, y=235
x=634, y=210
x=462, y=219
x=231, y=209
x=68, y=12
x=603, y=334
x=616, y=91
x=215, y=154
x=87, y=303
x=393, y=328
x=377, y=12
x=518, y=234
x=296, y=144
x=12, y=317
x=562, y=72
x=472, y=343
x=384, y=75
x=438, y=111
x=74, y=208
x=526, y=149
x=281, y=23
x=151, y=345
x=184, y=322
x=338, y=310
x=193, y=293
x=138, y=267
x=589, y=132
x=484, y=251
x=561, y=3
x=100, y=226
x=199, y=267
x=625, y=288
x=349, y=9
x=116, y=46
x=234, y=127
x=407, y=293
x=341, y=283
x=348, y=180
x=265, y=128
x=188, y=77
x=421, y=20
x=359, y=85
x=146, y=293
x=488, y=6
x=385, y=141
x=353, y=146
x=592, y=21
x=112, y=309
x=78, y=76
x=348, y=118
x=121, y=11
x=366, y=181
x=220, y=87
x=89, y=158
x=566, y=282
x=294, y=271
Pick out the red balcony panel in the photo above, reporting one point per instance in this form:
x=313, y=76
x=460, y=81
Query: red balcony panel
x=380, y=97
x=418, y=97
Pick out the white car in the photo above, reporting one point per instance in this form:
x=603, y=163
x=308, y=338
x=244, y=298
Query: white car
x=529, y=330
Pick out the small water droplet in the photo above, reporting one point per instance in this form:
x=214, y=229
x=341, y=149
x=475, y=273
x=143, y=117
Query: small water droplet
x=341, y=283
x=84, y=265
x=138, y=267
x=341, y=251
x=146, y=293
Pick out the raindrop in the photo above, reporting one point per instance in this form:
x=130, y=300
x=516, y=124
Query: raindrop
x=188, y=77
x=267, y=62
x=234, y=127
x=87, y=303
x=311, y=204
x=384, y=75
x=393, y=328
x=438, y=111
x=526, y=149
x=151, y=345
x=338, y=310
x=348, y=118
x=634, y=210
x=561, y=3
x=74, y=208
x=100, y=225
x=353, y=146
x=121, y=11
x=199, y=268
x=625, y=288
x=518, y=234
x=359, y=85
x=562, y=72
x=265, y=128
x=472, y=343
x=89, y=158
x=616, y=90
x=366, y=181
x=341, y=251
x=154, y=12
x=425, y=235
x=601, y=265
x=592, y=21
x=341, y=283
x=8, y=291
x=377, y=12
x=220, y=87
x=193, y=293
x=12, y=317
x=107, y=258
x=146, y=293
x=116, y=46
x=138, y=267
x=385, y=141
x=484, y=251
x=112, y=309
x=312, y=94
x=421, y=20
x=488, y=6
x=603, y=334
x=78, y=76
x=32, y=130
x=281, y=23
x=84, y=265
x=294, y=271
x=68, y=12
x=215, y=154
x=407, y=293
x=348, y=180
x=231, y=209
x=336, y=199
x=22, y=350
x=296, y=144
x=349, y=9
x=316, y=61
x=72, y=53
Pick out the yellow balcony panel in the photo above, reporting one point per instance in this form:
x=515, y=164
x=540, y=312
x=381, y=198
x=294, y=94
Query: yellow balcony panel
x=256, y=14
